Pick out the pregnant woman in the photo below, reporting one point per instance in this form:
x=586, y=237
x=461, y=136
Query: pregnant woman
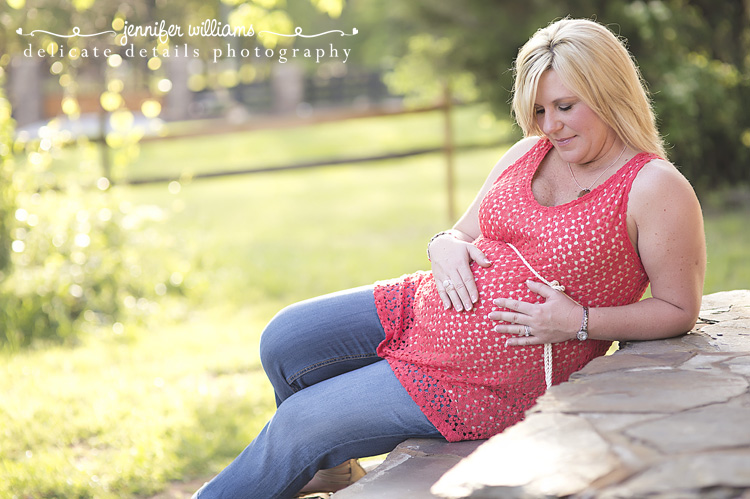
x=543, y=271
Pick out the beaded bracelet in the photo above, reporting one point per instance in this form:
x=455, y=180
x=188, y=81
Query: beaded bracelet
x=583, y=333
x=443, y=233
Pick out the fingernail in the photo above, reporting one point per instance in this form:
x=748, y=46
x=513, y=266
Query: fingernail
x=446, y=306
x=474, y=299
x=507, y=343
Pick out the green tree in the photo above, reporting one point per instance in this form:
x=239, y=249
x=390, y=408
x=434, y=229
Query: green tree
x=693, y=54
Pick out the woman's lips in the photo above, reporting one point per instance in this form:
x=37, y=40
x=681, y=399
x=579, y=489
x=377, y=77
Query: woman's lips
x=564, y=142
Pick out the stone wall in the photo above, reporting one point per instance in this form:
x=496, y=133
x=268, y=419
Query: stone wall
x=663, y=419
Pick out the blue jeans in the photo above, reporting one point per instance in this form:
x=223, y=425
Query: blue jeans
x=336, y=399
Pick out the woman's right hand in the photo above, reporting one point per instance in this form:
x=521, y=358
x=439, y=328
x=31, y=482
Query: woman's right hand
x=451, y=258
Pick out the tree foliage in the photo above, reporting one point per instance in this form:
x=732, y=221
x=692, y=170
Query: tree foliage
x=692, y=53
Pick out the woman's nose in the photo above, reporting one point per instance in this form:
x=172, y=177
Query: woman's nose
x=550, y=123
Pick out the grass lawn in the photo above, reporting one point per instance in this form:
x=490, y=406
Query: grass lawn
x=356, y=138
x=728, y=242
x=123, y=415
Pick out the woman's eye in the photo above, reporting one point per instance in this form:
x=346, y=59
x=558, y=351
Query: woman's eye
x=566, y=108
x=539, y=111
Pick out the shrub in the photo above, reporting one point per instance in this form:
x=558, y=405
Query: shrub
x=79, y=261
x=72, y=258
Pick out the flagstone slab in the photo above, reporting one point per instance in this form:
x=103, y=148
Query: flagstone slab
x=629, y=362
x=530, y=457
x=410, y=470
x=704, y=429
x=690, y=476
x=643, y=391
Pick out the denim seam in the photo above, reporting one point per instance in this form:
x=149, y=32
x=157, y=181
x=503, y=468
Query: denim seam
x=299, y=374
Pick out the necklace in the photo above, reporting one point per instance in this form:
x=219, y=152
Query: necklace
x=586, y=190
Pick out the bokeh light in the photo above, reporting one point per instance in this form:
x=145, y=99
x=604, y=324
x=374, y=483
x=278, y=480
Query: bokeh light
x=114, y=61
x=102, y=183
x=196, y=82
x=151, y=108
x=21, y=215
x=70, y=106
x=228, y=78
x=154, y=63
x=110, y=101
x=65, y=80
x=164, y=85
x=115, y=85
x=121, y=120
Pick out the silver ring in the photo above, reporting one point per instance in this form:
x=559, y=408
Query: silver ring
x=447, y=284
x=526, y=331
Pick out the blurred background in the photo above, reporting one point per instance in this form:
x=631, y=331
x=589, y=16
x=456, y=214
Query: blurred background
x=158, y=204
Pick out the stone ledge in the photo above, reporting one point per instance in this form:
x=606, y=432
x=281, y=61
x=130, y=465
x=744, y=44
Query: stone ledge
x=662, y=419
x=410, y=470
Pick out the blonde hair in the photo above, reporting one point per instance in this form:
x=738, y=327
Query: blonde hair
x=595, y=65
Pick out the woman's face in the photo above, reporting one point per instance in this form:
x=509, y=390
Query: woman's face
x=577, y=132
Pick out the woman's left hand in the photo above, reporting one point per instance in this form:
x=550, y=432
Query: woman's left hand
x=557, y=319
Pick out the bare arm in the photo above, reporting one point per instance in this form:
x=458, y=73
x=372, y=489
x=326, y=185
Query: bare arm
x=671, y=244
x=665, y=222
x=452, y=254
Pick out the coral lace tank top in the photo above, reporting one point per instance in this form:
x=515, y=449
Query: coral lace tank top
x=459, y=371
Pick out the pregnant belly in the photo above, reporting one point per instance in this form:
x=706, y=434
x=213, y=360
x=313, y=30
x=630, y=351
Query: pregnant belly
x=451, y=337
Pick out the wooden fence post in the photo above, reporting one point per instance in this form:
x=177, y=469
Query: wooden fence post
x=449, y=149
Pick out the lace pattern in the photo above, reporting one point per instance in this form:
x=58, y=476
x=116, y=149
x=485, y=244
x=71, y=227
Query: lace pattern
x=453, y=364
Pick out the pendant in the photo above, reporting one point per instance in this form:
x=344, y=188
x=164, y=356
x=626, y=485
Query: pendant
x=584, y=192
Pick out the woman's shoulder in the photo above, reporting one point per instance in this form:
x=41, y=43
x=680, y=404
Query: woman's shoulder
x=516, y=152
x=658, y=175
x=523, y=146
x=659, y=185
